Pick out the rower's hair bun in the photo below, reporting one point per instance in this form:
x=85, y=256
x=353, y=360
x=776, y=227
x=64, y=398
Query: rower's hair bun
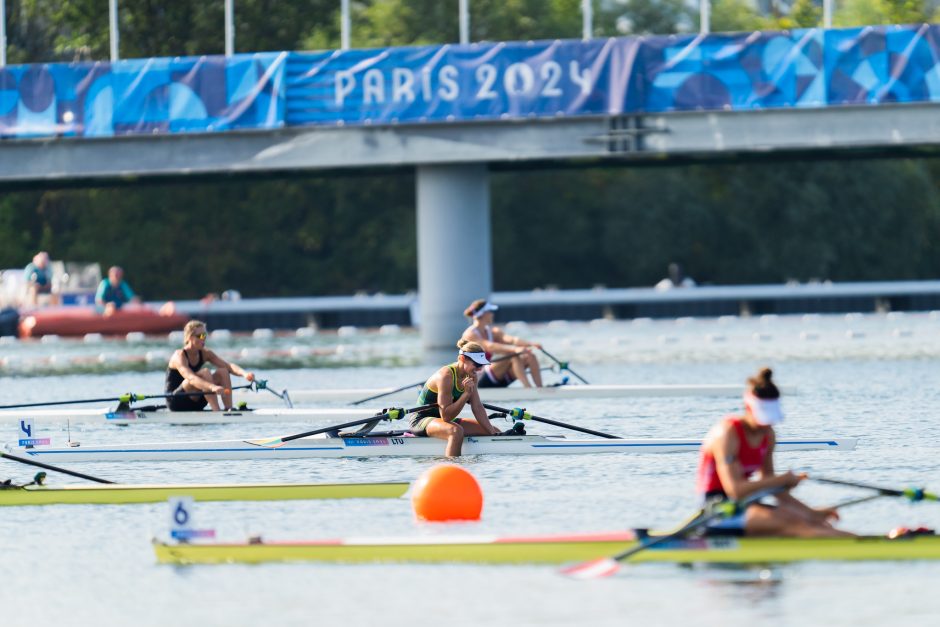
x=762, y=384
x=469, y=347
x=474, y=307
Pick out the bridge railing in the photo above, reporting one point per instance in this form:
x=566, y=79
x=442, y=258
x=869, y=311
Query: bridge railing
x=472, y=83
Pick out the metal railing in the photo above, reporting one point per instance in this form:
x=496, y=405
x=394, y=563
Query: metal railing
x=463, y=18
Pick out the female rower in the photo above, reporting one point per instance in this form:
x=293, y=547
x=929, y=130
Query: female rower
x=185, y=374
x=494, y=341
x=452, y=387
x=740, y=447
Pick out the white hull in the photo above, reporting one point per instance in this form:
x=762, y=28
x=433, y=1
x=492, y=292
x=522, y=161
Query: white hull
x=109, y=416
x=512, y=393
x=379, y=446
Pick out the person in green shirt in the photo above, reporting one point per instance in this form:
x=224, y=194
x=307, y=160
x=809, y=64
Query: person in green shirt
x=114, y=292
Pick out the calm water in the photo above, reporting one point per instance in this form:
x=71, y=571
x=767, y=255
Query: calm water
x=873, y=377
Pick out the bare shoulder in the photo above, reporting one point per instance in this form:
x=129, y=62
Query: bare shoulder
x=175, y=357
x=211, y=356
x=723, y=437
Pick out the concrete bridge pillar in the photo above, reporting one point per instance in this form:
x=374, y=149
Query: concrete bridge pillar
x=454, y=252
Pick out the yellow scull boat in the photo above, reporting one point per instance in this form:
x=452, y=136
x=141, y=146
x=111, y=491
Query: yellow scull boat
x=125, y=494
x=555, y=550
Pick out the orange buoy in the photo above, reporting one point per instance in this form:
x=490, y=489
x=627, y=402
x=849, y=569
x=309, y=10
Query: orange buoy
x=447, y=492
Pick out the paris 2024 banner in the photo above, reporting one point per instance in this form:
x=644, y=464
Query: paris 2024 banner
x=478, y=82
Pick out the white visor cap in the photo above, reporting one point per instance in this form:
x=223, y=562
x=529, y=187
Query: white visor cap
x=477, y=358
x=487, y=306
x=766, y=411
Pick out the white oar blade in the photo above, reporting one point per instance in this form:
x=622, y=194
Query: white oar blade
x=594, y=569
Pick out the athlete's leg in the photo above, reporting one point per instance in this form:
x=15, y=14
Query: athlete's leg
x=519, y=368
x=532, y=363
x=470, y=426
x=452, y=433
x=224, y=378
x=205, y=375
x=761, y=520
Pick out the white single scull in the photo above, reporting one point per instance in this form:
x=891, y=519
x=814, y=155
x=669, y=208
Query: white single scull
x=393, y=444
x=511, y=393
x=106, y=415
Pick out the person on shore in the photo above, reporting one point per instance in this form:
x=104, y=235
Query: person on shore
x=519, y=366
x=675, y=277
x=38, y=277
x=114, y=292
x=186, y=373
x=737, y=461
x=452, y=388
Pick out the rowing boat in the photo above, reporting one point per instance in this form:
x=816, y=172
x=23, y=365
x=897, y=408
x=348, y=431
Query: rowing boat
x=124, y=494
x=390, y=444
x=512, y=393
x=162, y=416
x=555, y=550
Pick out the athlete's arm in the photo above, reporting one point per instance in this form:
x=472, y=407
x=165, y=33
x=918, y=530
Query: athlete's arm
x=512, y=340
x=178, y=362
x=450, y=407
x=728, y=465
x=479, y=412
x=232, y=367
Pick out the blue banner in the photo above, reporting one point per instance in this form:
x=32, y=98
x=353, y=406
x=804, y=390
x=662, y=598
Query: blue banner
x=478, y=82
x=449, y=83
x=550, y=79
x=143, y=96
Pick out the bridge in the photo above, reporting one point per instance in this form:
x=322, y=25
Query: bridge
x=453, y=111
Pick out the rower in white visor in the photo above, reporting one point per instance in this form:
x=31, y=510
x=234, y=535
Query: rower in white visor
x=517, y=361
x=451, y=388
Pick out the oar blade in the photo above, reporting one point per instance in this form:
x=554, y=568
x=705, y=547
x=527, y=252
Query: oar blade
x=592, y=569
x=267, y=442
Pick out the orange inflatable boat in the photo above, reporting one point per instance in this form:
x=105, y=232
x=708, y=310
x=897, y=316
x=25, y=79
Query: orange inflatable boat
x=77, y=321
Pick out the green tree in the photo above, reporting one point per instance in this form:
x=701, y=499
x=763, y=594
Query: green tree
x=656, y=17
x=803, y=14
x=735, y=16
x=865, y=12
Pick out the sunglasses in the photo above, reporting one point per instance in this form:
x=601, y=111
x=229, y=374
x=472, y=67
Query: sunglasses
x=201, y=336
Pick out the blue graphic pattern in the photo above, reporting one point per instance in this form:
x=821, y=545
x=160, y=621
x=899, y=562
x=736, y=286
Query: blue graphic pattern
x=478, y=82
x=143, y=96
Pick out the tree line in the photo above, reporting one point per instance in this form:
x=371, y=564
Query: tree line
x=300, y=235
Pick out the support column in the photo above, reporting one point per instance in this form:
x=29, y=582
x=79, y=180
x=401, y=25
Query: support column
x=454, y=251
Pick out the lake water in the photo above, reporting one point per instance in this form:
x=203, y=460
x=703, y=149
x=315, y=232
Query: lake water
x=871, y=377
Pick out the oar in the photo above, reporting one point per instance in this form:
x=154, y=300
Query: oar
x=388, y=414
x=55, y=468
x=389, y=393
x=605, y=566
x=262, y=384
x=914, y=494
x=563, y=365
x=123, y=398
x=856, y=501
x=415, y=385
x=521, y=414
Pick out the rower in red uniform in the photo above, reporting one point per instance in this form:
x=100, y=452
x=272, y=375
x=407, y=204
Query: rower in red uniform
x=737, y=461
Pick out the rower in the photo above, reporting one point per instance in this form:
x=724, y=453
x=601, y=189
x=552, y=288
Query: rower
x=452, y=387
x=741, y=447
x=494, y=341
x=185, y=374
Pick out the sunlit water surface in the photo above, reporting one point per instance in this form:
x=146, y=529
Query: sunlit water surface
x=872, y=377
